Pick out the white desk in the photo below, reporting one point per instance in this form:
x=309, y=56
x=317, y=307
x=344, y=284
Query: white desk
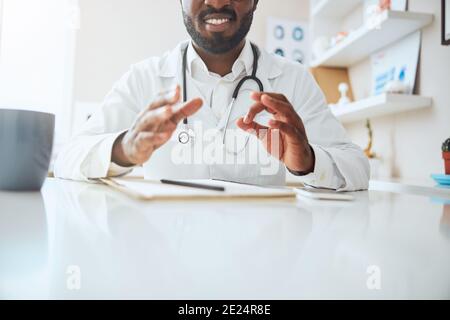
x=272, y=250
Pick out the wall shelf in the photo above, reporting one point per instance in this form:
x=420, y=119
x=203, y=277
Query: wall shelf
x=328, y=9
x=365, y=41
x=381, y=105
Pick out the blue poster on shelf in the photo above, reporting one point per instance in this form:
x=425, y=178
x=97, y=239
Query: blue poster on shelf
x=397, y=63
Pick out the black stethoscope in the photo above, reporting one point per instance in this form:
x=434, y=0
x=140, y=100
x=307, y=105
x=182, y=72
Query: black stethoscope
x=187, y=134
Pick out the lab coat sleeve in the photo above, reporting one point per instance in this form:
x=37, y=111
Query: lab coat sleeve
x=88, y=154
x=340, y=164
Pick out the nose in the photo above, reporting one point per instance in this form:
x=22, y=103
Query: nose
x=218, y=4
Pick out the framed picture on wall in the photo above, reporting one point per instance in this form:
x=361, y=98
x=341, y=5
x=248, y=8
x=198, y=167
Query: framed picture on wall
x=446, y=22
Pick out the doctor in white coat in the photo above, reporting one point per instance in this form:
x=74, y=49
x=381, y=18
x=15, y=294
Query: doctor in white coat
x=231, y=101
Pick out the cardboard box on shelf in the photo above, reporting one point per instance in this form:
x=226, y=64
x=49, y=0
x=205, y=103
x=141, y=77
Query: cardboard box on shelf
x=329, y=80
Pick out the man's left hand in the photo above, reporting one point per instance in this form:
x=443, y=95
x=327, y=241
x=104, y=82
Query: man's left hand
x=293, y=149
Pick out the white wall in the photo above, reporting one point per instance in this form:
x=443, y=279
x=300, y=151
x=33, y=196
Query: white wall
x=36, y=60
x=116, y=33
x=1, y=19
x=35, y=66
x=410, y=143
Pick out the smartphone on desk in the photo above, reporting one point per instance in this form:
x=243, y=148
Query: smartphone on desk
x=323, y=194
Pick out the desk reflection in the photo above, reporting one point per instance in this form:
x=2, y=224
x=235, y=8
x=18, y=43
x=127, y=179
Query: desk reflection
x=235, y=250
x=165, y=250
x=445, y=220
x=23, y=245
x=136, y=249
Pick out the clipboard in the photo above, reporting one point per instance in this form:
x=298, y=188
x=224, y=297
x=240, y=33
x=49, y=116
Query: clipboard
x=149, y=190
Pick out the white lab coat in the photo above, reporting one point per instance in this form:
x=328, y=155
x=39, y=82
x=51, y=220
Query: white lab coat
x=339, y=164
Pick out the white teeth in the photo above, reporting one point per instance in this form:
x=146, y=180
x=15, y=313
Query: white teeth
x=217, y=21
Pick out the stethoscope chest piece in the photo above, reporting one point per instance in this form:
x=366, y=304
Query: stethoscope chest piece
x=186, y=136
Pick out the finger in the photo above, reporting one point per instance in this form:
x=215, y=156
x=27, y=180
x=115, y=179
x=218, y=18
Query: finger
x=162, y=138
x=166, y=99
x=258, y=95
x=277, y=105
x=169, y=92
x=259, y=107
x=167, y=118
x=254, y=128
x=151, y=140
x=153, y=119
x=253, y=112
x=284, y=128
x=186, y=110
x=256, y=109
x=273, y=101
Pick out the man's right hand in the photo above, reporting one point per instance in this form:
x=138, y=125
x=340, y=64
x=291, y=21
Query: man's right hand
x=153, y=127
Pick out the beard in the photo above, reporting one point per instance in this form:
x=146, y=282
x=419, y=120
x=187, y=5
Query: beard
x=218, y=44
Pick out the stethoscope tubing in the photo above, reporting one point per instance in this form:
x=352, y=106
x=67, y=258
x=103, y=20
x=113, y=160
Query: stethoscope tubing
x=184, y=137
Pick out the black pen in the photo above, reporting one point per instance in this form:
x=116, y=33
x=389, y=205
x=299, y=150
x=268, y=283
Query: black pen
x=193, y=185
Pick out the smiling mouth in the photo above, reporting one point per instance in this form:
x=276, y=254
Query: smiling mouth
x=217, y=22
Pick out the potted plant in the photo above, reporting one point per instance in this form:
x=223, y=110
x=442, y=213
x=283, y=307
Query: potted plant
x=374, y=161
x=446, y=155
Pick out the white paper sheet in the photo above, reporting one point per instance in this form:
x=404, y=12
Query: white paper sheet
x=149, y=190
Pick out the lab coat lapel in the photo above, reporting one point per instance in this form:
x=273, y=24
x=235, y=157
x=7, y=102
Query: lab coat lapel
x=205, y=114
x=171, y=68
x=268, y=71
